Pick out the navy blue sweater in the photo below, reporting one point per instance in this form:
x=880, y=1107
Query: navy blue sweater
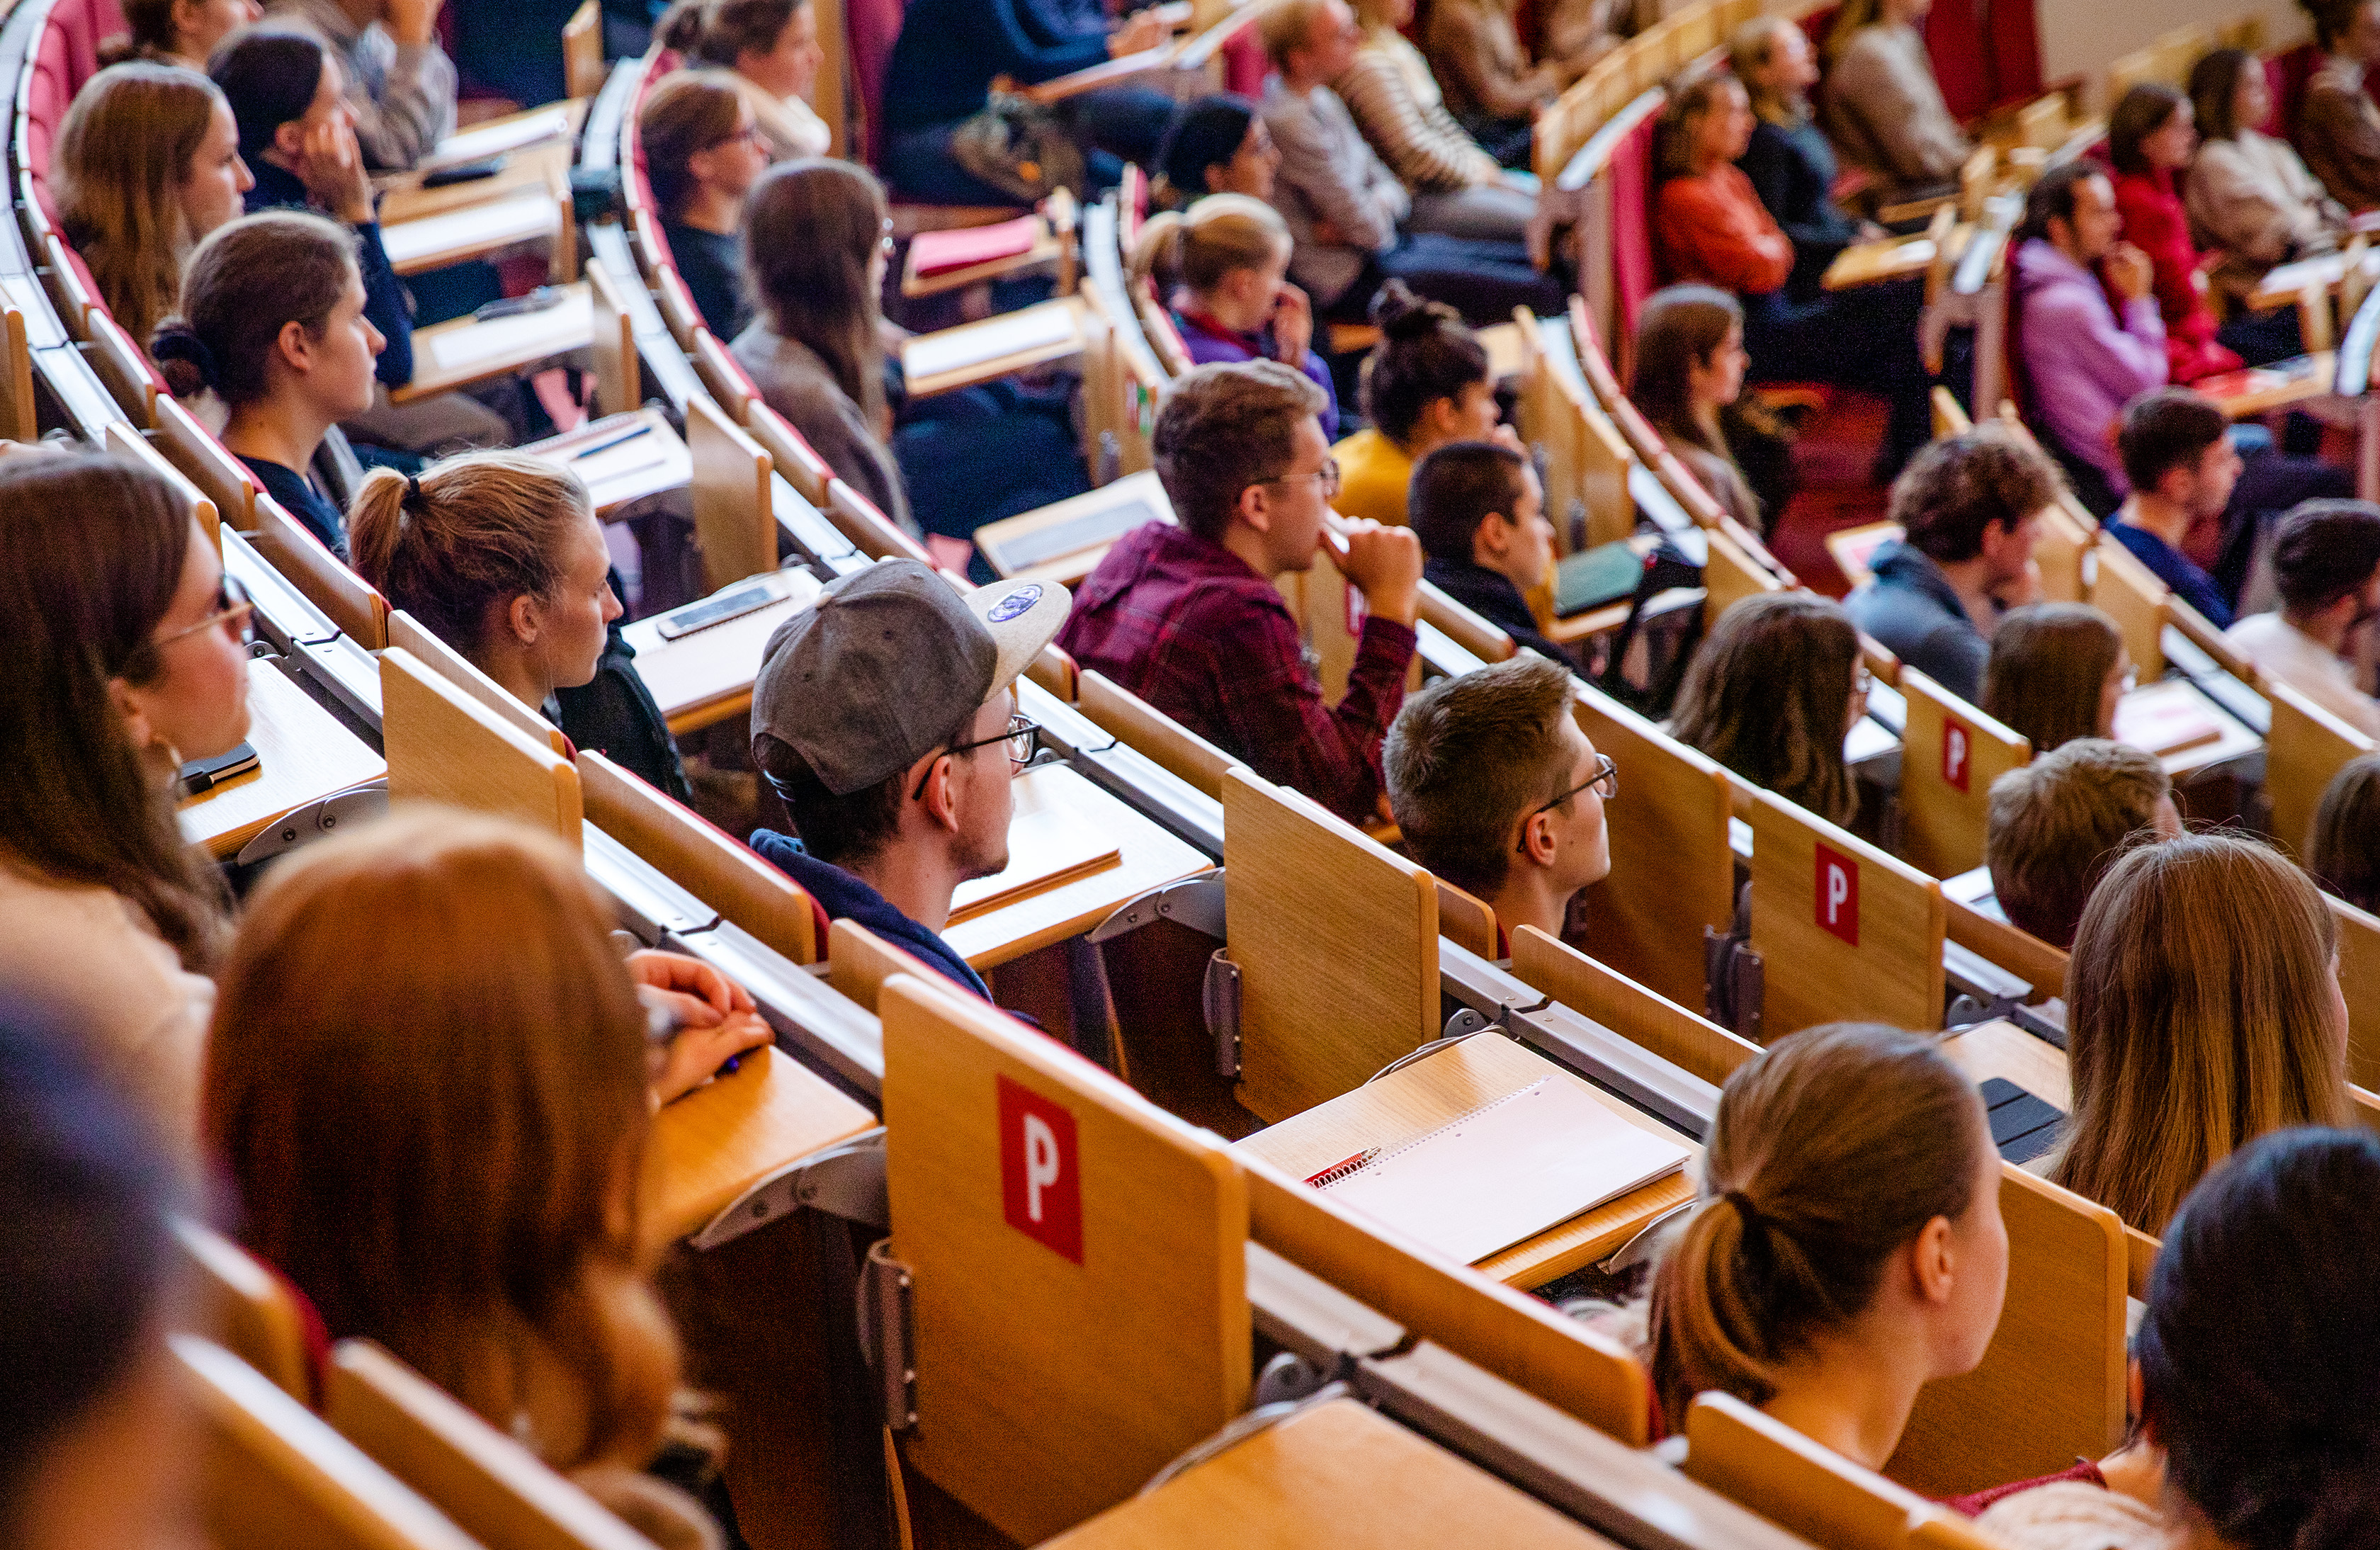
x=950, y=50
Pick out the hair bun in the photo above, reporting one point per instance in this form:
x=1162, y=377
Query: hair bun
x=1400, y=314
x=184, y=358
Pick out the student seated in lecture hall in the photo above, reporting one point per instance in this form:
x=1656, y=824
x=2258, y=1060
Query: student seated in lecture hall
x=885, y=720
x=703, y=151
x=1968, y=507
x=1218, y=145
x=1480, y=515
x=2057, y=672
x=2254, y=1416
x=1689, y=373
x=400, y=83
x=2057, y=825
x=272, y=322
x=2338, y=128
x=1458, y=187
x=770, y=53
x=2179, y=461
x=1187, y=617
x=297, y=134
x=816, y=251
x=126, y=655
x=1791, y=164
x=96, y=1420
x=2152, y=132
x=1884, y=109
x=1847, y=1246
x=2342, y=845
x=182, y=32
x=1356, y=224
x=1495, y=89
x=2202, y=1010
x=438, y=1140
x=1499, y=792
x=499, y=556
x=147, y=163
x=1426, y=384
x=1772, y=692
x=1709, y=225
x=1231, y=252
x=2327, y=564
x=2248, y=195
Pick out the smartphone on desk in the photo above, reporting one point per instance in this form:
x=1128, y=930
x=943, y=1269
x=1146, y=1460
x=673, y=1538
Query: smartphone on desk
x=463, y=172
x=537, y=300
x=202, y=776
x=734, y=604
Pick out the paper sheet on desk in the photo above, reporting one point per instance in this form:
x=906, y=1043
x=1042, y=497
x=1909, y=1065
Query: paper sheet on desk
x=491, y=225
x=494, y=139
x=932, y=355
x=1509, y=1170
x=565, y=325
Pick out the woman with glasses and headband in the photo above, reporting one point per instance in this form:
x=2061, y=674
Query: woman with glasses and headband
x=703, y=151
x=122, y=655
x=818, y=238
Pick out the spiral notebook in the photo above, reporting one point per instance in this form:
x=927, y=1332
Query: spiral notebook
x=1506, y=1171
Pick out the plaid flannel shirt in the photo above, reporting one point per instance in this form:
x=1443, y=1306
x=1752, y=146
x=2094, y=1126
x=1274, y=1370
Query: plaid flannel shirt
x=1189, y=626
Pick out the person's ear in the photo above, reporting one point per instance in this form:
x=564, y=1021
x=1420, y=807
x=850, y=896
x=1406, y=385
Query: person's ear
x=525, y=619
x=133, y=707
x=941, y=799
x=1445, y=415
x=297, y=351
x=289, y=138
x=1254, y=508
x=1497, y=531
x=1537, y=838
x=1933, y=1262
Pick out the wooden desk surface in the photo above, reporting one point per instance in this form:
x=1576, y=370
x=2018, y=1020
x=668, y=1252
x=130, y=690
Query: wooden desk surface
x=1147, y=858
x=303, y=754
x=978, y=352
x=474, y=230
x=450, y=355
x=622, y=459
x=2000, y=1048
x=2259, y=389
x=1866, y=263
x=721, y=1139
x=1338, y=1474
x=530, y=168
x=706, y=677
x=1444, y=1087
x=2235, y=740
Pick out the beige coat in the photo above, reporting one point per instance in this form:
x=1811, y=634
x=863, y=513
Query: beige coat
x=1884, y=111
x=2251, y=197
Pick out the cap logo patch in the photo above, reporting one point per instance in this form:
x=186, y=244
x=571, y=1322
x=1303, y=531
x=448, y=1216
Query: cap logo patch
x=1015, y=602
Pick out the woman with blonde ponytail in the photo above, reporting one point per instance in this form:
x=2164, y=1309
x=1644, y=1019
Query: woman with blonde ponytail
x=1233, y=302
x=1848, y=1247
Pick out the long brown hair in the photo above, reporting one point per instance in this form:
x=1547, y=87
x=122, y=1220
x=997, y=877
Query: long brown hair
x=2342, y=844
x=1765, y=694
x=2048, y=665
x=812, y=228
x=246, y=281
x=1831, y=1150
x=122, y=155
x=1673, y=135
x=1681, y=327
x=427, y=1078
x=2199, y=1018
x=721, y=31
x=686, y=114
x=96, y=547
x=466, y=537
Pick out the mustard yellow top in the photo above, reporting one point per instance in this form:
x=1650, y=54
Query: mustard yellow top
x=1373, y=474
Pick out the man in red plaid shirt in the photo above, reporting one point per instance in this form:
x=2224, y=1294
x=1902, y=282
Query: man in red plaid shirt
x=1188, y=619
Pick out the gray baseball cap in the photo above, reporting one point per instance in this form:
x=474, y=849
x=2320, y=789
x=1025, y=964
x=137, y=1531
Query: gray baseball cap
x=874, y=677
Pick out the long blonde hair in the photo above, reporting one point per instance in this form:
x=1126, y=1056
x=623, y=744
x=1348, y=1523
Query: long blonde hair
x=2200, y=1016
x=427, y=1076
x=122, y=155
x=1215, y=235
x=1831, y=1150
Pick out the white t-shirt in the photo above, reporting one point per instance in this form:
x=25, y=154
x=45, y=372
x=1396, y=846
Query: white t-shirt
x=2280, y=650
x=89, y=961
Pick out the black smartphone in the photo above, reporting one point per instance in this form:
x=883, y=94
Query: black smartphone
x=202, y=776
x=714, y=610
x=463, y=172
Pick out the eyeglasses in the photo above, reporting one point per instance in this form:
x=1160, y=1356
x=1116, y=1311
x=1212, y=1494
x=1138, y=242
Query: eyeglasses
x=750, y=134
x=1022, y=737
x=1327, y=473
x=1605, y=780
x=233, y=611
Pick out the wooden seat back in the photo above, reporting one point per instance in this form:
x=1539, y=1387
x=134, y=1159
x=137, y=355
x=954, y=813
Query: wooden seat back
x=1846, y=933
x=2130, y=593
x=1951, y=753
x=1693, y=1044
x=723, y=377
x=350, y=602
x=2050, y=1388
x=124, y=369
x=1668, y=823
x=2064, y=539
x=487, y=1483
x=2358, y=981
x=1483, y=640
x=582, y=51
x=410, y=633
x=123, y=439
x=619, y=380
x=223, y=478
x=744, y=890
x=1795, y=1483
x=246, y=1309
x=1466, y=920
x=806, y=472
x=2306, y=745
x=684, y=319
x=735, y=518
x=445, y=746
x=275, y=1473
x=2019, y=952
x=1153, y=734
x=1732, y=574
x=1336, y=937
x=19, y=414
x=1077, y=1260
x=1586, y=458
x=870, y=532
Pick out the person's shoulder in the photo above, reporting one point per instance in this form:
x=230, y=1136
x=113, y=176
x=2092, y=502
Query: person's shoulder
x=2257, y=632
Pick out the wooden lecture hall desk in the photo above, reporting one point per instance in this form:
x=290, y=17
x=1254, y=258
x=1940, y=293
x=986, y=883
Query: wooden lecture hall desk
x=718, y=1140
x=707, y=676
x=464, y=350
x=1999, y=1048
x=1059, y=815
x=1443, y=1087
x=535, y=149
x=303, y=755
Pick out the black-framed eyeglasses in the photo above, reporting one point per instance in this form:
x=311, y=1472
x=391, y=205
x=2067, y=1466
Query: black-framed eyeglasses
x=1022, y=737
x=233, y=610
x=1606, y=781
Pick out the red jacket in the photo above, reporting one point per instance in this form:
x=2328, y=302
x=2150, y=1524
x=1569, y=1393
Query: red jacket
x=1712, y=227
x=2153, y=223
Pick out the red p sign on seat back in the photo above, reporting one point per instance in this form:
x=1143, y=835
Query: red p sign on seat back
x=1040, y=1177
x=1837, y=894
x=1845, y=933
x=1957, y=745
x=1950, y=754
